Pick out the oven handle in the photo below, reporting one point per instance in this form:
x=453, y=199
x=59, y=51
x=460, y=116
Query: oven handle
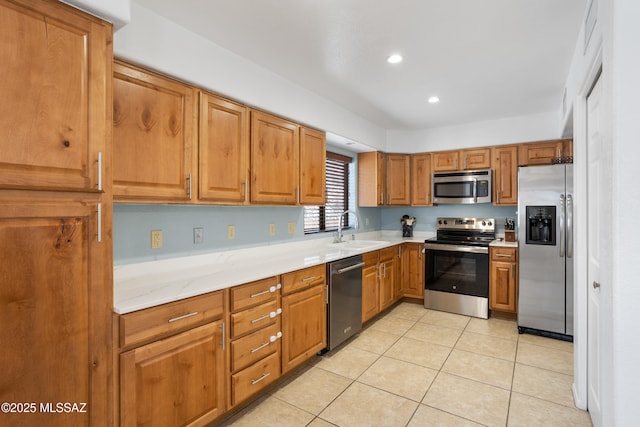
x=457, y=248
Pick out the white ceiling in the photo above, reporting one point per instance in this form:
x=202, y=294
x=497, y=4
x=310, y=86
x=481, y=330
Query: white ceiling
x=485, y=59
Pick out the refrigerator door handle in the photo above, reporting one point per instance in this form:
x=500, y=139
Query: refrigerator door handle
x=569, y=226
x=561, y=221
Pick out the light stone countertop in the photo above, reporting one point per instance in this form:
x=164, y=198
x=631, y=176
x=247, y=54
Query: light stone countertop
x=147, y=284
x=500, y=242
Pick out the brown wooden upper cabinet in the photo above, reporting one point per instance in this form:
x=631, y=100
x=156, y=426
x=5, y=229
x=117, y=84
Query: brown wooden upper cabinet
x=476, y=158
x=421, y=179
x=384, y=179
x=371, y=179
x=504, y=163
x=398, y=179
x=224, y=151
x=542, y=152
x=53, y=114
x=275, y=147
x=154, y=136
x=313, y=155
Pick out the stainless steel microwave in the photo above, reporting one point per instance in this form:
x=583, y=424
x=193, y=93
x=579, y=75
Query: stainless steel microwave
x=462, y=187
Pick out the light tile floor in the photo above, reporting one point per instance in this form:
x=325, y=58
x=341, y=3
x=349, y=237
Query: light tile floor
x=418, y=367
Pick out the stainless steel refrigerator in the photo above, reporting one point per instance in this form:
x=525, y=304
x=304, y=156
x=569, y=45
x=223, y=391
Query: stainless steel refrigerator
x=545, y=239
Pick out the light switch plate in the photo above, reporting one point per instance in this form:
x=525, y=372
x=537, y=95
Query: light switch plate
x=291, y=227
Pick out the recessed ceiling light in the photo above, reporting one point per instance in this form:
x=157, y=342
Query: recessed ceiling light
x=434, y=100
x=394, y=59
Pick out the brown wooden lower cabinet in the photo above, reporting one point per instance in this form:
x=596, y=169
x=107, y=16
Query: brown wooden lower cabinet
x=256, y=377
x=175, y=381
x=304, y=326
x=387, y=269
x=413, y=270
x=503, y=279
x=370, y=287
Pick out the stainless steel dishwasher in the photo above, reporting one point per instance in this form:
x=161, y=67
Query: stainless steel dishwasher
x=344, y=310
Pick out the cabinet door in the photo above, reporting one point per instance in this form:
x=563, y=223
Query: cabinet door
x=445, y=161
x=304, y=326
x=313, y=154
x=176, y=381
x=154, y=131
x=387, y=282
x=479, y=158
x=413, y=270
x=371, y=188
x=370, y=285
x=398, y=178
x=55, y=109
x=505, y=175
x=275, y=145
x=56, y=308
x=502, y=292
x=224, y=150
x=421, y=179
x=540, y=153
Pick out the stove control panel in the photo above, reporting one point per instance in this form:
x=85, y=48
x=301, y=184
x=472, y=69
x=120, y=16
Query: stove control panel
x=480, y=224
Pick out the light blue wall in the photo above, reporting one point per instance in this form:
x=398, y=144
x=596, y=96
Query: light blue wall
x=426, y=216
x=132, y=225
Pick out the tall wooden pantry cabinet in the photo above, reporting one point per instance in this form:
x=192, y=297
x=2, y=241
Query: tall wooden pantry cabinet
x=55, y=214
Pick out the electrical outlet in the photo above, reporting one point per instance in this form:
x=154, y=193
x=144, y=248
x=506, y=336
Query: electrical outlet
x=231, y=232
x=272, y=229
x=366, y=222
x=291, y=228
x=156, y=239
x=198, y=235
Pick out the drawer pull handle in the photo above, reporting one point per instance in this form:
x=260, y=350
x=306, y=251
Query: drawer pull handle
x=504, y=255
x=268, y=291
x=308, y=279
x=267, y=316
x=272, y=339
x=254, y=382
x=183, y=316
x=260, y=347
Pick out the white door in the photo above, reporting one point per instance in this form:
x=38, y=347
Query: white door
x=598, y=247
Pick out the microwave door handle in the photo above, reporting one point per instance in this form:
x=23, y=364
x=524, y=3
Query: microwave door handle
x=475, y=190
x=561, y=220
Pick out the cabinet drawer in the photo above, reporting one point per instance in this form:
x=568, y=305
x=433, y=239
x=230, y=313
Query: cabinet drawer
x=254, y=318
x=254, y=293
x=256, y=377
x=388, y=253
x=155, y=322
x=370, y=258
x=504, y=254
x=305, y=278
x=250, y=349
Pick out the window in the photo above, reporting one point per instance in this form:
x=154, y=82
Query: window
x=327, y=217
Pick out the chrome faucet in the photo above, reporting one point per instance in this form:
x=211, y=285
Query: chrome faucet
x=338, y=237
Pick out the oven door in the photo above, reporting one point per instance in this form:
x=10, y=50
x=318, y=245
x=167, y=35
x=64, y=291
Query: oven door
x=457, y=269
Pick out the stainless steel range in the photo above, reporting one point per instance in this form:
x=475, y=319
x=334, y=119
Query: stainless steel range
x=456, y=275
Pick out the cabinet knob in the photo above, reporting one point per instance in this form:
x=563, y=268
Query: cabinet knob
x=596, y=285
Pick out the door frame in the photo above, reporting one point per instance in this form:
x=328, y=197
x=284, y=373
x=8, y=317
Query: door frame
x=580, y=266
